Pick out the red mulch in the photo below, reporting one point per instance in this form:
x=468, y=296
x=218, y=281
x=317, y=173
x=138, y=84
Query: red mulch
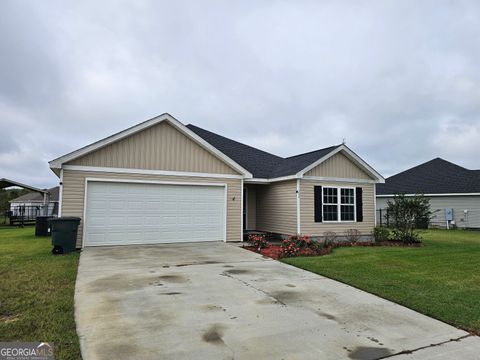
x=274, y=251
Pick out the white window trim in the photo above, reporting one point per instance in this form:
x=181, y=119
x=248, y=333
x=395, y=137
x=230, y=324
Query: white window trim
x=339, y=204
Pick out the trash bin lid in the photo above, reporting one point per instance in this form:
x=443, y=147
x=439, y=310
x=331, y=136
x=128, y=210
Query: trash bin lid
x=67, y=218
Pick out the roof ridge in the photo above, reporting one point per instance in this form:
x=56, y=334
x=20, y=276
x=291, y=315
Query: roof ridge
x=238, y=142
x=311, y=152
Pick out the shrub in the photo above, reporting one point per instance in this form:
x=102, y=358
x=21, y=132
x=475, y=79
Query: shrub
x=352, y=235
x=407, y=236
x=408, y=214
x=381, y=233
x=330, y=238
x=258, y=241
x=298, y=245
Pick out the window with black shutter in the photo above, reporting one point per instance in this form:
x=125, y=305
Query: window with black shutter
x=338, y=204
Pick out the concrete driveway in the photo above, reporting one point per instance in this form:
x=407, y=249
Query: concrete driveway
x=218, y=301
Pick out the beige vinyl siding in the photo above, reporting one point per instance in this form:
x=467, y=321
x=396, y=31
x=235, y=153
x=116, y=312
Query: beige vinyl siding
x=438, y=204
x=74, y=195
x=277, y=207
x=307, y=220
x=160, y=147
x=338, y=166
x=251, y=207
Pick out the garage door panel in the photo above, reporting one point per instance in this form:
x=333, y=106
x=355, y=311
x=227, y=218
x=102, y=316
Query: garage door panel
x=132, y=213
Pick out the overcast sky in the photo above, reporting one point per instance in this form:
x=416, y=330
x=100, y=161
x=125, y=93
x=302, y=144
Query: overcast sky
x=399, y=80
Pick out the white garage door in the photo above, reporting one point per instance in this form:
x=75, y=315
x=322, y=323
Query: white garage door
x=134, y=213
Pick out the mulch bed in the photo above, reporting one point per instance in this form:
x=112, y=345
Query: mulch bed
x=275, y=251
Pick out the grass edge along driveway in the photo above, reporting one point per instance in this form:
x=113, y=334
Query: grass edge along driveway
x=36, y=292
x=440, y=279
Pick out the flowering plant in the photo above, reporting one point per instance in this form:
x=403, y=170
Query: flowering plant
x=258, y=241
x=299, y=245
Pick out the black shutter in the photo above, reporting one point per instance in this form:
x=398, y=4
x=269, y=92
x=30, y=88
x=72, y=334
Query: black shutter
x=359, y=202
x=317, y=201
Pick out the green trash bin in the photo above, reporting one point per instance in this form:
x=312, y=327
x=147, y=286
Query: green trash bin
x=64, y=234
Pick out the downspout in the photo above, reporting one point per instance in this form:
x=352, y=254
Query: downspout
x=45, y=208
x=60, y=194
x=375, y=202
x=241, y=210
x=299, y=229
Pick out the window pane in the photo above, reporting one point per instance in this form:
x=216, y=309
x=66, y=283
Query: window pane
x=330, y=212
x=347, y=212
x=347, y=196
x=330, y=196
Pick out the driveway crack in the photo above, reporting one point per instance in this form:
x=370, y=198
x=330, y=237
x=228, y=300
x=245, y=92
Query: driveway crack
x=406, y=352
x=255, y=288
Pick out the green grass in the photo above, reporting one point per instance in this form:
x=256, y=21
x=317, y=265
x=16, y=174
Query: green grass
x=440, y=279
x=36, y=292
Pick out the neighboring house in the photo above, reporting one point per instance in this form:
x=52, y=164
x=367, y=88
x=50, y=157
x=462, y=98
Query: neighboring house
x=161, y=181
x=453, y=191
x=33, y=202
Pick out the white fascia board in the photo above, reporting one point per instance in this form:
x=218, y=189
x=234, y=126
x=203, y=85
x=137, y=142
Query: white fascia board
x=57, y=163
x=432, y=195
x=352, y=156
x=269, y=181
x=335, y=179
x=148, y=172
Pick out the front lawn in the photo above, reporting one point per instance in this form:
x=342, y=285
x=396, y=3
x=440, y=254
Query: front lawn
x=440, y=279
x=36, y=292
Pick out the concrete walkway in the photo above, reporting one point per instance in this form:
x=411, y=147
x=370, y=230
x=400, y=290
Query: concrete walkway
x=218, y=301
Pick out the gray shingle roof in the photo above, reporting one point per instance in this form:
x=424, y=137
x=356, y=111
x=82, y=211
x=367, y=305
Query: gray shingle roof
x=37, y=197
x=436, y=176
x=260, y=163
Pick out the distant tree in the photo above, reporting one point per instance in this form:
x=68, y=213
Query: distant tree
x=408, y=214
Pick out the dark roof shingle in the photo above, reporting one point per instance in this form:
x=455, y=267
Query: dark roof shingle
x=260, y=163
x=36, y=196
x=436, y=176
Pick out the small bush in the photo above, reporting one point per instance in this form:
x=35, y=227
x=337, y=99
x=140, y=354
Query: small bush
x=381, y=233
x=298, y=245
x=330, y=238
x=352, y=235
x=407, y=236
x=258, y=241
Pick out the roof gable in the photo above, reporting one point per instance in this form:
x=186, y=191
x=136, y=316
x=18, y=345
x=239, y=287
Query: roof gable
x=57, y=163
x=436, y=176
x=339, y=166
x=156, y=148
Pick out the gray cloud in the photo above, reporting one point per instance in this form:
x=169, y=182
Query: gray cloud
x=399, y=80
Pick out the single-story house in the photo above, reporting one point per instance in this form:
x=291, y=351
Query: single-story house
x=163, y=181
x=453, y=191
x=32, y=203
